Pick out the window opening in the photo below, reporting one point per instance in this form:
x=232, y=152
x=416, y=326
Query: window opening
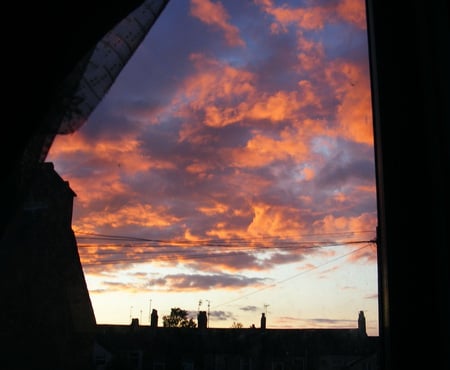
x=230, y=168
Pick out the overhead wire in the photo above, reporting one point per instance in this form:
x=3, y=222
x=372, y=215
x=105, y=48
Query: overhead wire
x=164, y=250
x=196, y=253
x=167, y=250
x=273, y=285
x=96, y=236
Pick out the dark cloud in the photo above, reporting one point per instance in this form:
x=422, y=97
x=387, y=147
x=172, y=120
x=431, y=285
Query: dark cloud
x=218, y=315
x=330, y=322
x=204, y=282
x=372, y=296
x=250, y=308
x=342, y=169
x=231, y=261
x=344, y=40
x=283, y=258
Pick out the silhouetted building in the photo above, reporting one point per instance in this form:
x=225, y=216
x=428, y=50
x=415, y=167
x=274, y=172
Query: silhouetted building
x=47, y=320
x=124, y=347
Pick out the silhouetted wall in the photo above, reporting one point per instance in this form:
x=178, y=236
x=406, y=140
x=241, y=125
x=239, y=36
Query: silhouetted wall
x=47, y=320
x=410, y=58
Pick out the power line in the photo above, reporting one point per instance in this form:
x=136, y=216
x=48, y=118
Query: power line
x=293, y=276
x=288, y=238
x=193, y=253
x=251, y=242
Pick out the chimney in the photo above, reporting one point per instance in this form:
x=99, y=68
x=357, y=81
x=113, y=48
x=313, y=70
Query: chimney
x=154, y=319
x=202, y=320
x=134, y=324
x=263, y=321
x=362, y=323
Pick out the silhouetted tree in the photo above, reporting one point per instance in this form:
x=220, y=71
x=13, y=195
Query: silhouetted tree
x=178, y=318
x=237, y=325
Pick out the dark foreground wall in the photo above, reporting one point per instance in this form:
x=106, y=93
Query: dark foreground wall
x=409, y=45
x=144, y=347
x=47, y=320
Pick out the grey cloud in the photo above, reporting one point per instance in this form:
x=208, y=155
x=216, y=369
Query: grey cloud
x=250, y=308
x=200, y=282
x=221, y=315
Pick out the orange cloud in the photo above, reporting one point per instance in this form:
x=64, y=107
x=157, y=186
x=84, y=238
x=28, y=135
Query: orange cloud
x=270, y=220
x=262, y=150
x=201, y=169
x=315, y=17
x=226, y=95
x=305, y=18
x=227, y=80
x=122, y=153
x=214, y=81
x=220, y=117
x=364, y=255
x=352, y=85
x=308, y=173
x=331, y=224
x=353, y=11
x=215, y=14
x=214, y=209
x=105, y=259
x=143, y=215
x=113, y=160
x=277, y=107
x=311, y=54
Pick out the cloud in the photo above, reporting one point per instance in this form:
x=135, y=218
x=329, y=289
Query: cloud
x=250, y=308
x=314, y=17
x=218, y=315
x=353, y=11
x=365, y=255
x=214, y=14
x=319, y=322
x=350, y=82
x=194, y=282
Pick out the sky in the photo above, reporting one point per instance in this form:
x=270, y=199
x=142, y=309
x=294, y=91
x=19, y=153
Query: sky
x=230, y=169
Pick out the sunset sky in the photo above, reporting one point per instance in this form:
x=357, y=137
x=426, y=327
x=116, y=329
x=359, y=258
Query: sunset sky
x=230, y=168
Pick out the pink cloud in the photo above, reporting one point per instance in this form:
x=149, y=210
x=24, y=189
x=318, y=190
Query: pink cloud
x=315, y=17
x=351, y=83
x=353, y=11
x=214, y=14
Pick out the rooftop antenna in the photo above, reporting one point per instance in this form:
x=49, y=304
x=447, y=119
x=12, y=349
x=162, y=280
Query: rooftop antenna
x=207, y=319
x=199, y=304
